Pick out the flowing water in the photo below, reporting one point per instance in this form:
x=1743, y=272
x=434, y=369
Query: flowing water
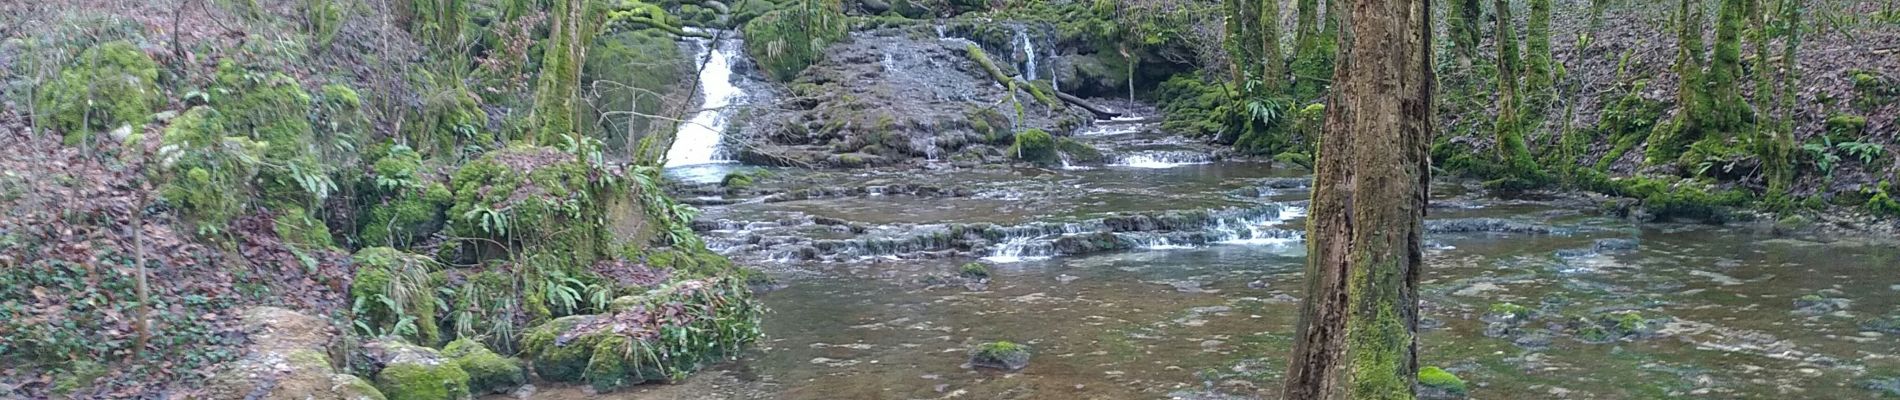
x=698, y=139
x=1183, y=282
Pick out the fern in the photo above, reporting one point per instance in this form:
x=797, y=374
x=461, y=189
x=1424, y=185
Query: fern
x=1866, y=152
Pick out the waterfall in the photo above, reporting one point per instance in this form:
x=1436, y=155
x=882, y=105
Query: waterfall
x=1029, y=53
x=697, y=141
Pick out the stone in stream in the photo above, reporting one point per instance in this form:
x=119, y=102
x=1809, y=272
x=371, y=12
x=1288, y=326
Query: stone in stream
x=1885, y=386
x=1889, y=325
x=1001, y=355
x=1438, y=384
x=415, y=372
x=1815, y=304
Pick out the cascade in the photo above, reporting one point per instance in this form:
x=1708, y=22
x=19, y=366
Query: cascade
x=698, y=139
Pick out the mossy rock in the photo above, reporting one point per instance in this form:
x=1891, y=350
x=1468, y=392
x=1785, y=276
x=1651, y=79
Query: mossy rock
x=1845, y=124
x=1037, y=147
x=647, y=66
x=535, y=196
x=787, y=40
x=1436, y=383
x=1078, y=151
x=1000, y=355
x=974, y=270
x=487, y=372
x=404, y=205
x=1509, y=312
x=108, y=86
x=621, y=348
x=397, y=294
x=210, y=172
x=411, y=372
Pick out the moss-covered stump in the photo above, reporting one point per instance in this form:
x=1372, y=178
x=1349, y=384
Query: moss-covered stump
x=663, y=334
x=395, y=295
x=487, y=372
x=286, y=361
x=1436, y=384
x=411, y=372
x=111, y=85
x=1003, y=355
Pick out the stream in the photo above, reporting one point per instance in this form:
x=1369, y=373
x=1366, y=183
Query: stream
x=1170, y=272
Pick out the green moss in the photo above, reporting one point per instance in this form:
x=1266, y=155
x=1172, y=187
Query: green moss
x=206, y=175
x=1298, y=159
x=393, y=295
x=1435, y=377
x=1881, y=200
x=1193, y=107
x=1035, y=146
x=625, y=347
x=296, y=226
x=1078, y=151
x=487, y=372
x=451, y=120
x=534, y=198
x=974, y=270
x=418, y=381
x=272, y=108
x=787, y=40
x=108, y=86
x=1670, y=199
x=646, y=67
x=1845, y=124
x=401, y=206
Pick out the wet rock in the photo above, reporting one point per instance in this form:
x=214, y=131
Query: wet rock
x=1889, y=325
x=286, y=360
x=1615, y=245
x=1257, y=284
x=1533, y=341
x=1066, y=278
x=1815, y=304
x=1436, y=383
x=1885, y=386
x=1003, y=355
x=1488, y=225
x=1610, y=326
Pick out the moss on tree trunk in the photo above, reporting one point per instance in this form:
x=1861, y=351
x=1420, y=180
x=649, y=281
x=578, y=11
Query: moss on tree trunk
x=1357, y=331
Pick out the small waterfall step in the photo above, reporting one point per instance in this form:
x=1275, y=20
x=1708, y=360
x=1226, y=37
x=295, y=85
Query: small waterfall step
x=1162, y=159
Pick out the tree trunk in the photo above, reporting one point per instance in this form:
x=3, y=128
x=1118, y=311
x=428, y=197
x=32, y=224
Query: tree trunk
x=1357, y=335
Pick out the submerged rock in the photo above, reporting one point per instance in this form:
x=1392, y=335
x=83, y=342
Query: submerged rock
x=1003, y=355
x=1815, y=304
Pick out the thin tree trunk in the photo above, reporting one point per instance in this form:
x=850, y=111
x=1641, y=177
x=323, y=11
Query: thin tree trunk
x=1357, y=335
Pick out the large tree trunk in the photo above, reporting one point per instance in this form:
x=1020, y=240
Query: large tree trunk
x=1357, y=334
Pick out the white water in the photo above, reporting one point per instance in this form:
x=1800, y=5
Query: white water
x=1029, y=54
x=698, y=139
x=1161, y=160
x=1255, y=227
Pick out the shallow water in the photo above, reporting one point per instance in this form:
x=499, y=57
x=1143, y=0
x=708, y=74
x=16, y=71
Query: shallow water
x=1215, y=320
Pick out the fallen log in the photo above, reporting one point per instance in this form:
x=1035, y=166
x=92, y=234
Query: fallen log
x=1100, y=113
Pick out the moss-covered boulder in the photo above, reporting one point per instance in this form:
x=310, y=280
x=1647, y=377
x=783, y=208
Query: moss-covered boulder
x=537, y=198
x=701, y=321
x=272, y=108
x=286, y=361
x=206, y=174
x=403, y=203
x=1003, y=355
x=110, y=85
x=394, y=294
x=1037, y=147
x=411, y=372
x=1438, y=384
x=646, y=67
x=487, y=372
x=787, y=40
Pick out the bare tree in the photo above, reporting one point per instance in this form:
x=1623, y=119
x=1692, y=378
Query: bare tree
x=1358, y=328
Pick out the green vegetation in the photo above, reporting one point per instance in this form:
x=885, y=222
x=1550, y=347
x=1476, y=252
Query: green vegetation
x=1435, y=377
x=487, y=372
x=634, y=344
x=974, y=270
x=787, y=40
x=1037, y=147
x=111, y=85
